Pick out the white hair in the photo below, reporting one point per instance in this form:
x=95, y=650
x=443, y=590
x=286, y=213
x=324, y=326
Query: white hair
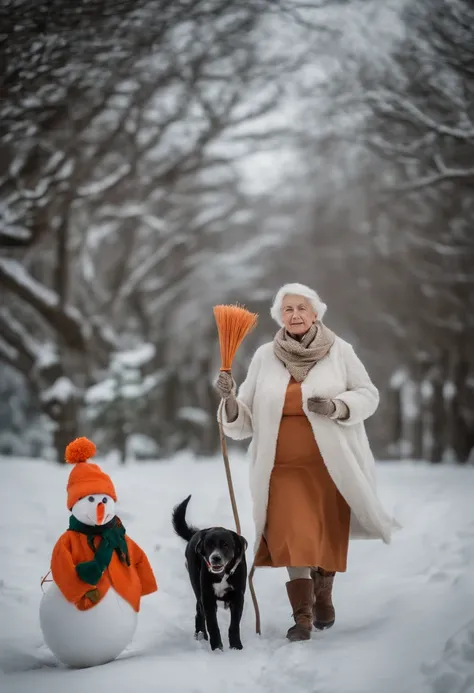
x=298, y=290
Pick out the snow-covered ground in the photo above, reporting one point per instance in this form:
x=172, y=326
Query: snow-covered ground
x=405, y=612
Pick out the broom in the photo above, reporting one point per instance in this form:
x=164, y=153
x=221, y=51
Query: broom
x=234, y=322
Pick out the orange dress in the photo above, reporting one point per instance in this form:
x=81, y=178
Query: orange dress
x=308, y=520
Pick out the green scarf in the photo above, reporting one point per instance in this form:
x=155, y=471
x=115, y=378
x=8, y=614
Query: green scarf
x=112, y=536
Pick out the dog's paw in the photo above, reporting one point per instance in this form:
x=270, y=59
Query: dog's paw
x=200, y=635
x=217, y=646
x=235, y=643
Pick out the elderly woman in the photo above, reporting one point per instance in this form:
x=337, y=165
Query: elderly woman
x=303, y=402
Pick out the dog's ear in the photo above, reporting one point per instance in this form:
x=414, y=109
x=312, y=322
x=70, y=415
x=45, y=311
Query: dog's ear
x=241, y=545
x=200, y=544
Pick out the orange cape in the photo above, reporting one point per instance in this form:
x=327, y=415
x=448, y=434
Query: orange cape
x=130, y=582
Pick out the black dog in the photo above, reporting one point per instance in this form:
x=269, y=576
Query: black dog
x=215, y=559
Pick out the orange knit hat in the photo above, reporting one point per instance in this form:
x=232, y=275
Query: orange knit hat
x=85, y=479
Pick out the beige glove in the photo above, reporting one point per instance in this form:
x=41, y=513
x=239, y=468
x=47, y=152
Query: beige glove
x=225, y=386
x=323, y=407
x=329, y=408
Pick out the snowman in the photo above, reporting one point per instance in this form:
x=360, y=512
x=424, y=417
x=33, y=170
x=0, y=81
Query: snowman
x=89, y=613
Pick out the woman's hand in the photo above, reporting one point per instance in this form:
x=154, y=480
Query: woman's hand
x=225, y=385
x=334, y=409
x=323, y=407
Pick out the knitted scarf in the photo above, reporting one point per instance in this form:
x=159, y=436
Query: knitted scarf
x=300, y=356
x=112, y=538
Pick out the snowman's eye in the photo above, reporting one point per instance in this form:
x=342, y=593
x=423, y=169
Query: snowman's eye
x=104, y=500
x=91, y=499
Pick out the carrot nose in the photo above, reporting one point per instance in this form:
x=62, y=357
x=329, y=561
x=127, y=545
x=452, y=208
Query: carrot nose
x=100, y=511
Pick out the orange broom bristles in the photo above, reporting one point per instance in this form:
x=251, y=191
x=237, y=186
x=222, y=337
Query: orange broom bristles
x=234, y=322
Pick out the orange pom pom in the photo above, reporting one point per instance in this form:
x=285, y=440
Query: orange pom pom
x=80, y=450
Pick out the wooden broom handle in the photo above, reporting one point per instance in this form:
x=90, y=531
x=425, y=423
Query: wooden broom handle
x=237, y=519
x=225, y=455
x=258, y=629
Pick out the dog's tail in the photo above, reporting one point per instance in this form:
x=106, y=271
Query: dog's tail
x=180, y=525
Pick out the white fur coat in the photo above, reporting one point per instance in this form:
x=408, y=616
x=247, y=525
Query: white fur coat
x=343, y=444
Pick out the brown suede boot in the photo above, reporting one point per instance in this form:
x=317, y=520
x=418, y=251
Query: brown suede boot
x=324, y=613
x=301, y=596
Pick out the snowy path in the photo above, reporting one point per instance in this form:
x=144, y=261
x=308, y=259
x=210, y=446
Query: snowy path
x=405, y=616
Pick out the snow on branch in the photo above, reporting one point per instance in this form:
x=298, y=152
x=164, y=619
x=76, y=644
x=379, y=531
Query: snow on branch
x=18, y=335
x=100, y=187
x=139, y=274
x=67, y=321
x=15, y=236
x=384, y=147
x=20, y=350
x=301, y=13
x=8, y=354
x=389, y=100
x=135, y=358
x=62, y=390
x=13, y=349
x=442, y=174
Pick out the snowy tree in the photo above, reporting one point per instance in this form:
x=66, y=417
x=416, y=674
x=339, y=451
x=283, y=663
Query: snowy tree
x=384, y=227
x=421, y=125
x=120, y=185
x=169, y=156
